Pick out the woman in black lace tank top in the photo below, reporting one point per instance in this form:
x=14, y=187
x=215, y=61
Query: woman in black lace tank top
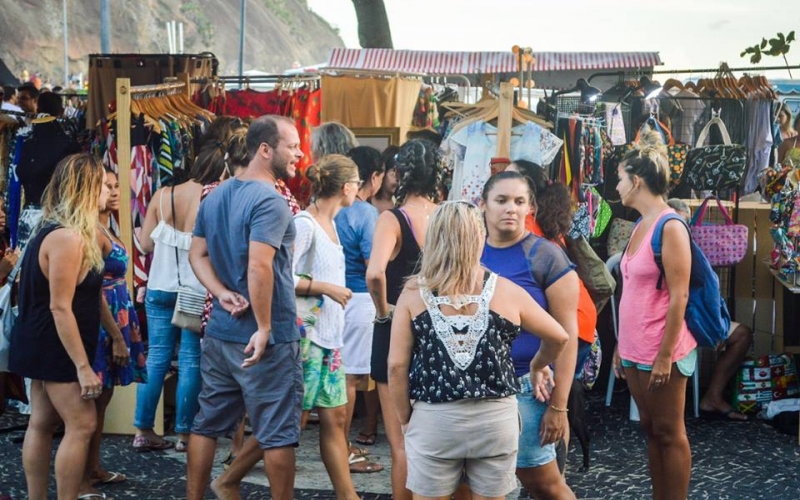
x=59, y=320
x=451, y=352
x=397, y=243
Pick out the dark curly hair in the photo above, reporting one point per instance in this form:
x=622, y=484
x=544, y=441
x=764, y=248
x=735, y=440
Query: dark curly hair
x=369, y=161
x=553, y=202
x=419, y=170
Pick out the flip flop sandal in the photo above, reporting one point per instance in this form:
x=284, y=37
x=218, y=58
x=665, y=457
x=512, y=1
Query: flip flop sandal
x=366, y=439
x=112, y=478
x=181, y=446
x=360, y=465
x=142, y=444
x=87, y=496
x=228, y=461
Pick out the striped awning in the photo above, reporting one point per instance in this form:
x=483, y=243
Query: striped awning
x=577, y=61
x=467, y=63
x=422, y=61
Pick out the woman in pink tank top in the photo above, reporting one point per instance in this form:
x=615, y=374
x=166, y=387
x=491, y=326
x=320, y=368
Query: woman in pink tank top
x=656, y=351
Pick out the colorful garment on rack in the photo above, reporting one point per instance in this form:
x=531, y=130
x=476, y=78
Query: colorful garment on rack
x=14, y=195
x=250, y=103
x=306, y=113
x=478, y=142
x=426, y=113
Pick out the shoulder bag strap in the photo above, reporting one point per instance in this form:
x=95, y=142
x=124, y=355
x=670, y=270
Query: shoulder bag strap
x=656, y=242
x=175, y=229
x=12, y=276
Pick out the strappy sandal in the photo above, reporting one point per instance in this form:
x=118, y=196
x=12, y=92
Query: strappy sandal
x=142, y=444
x=356, y=450
x=111, y=478
x=360, y=465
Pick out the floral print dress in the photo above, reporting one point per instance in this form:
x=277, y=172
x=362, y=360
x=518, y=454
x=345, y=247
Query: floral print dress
x=122, y=308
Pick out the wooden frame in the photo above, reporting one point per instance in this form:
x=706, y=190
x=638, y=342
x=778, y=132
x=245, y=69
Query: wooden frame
x=378, y=137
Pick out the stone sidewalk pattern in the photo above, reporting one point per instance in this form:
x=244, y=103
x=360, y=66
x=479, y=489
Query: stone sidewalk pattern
x=731, y=461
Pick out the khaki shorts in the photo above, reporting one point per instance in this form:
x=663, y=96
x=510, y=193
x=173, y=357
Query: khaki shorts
x=447, y=441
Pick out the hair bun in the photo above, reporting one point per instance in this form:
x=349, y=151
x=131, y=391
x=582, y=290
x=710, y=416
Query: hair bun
x=313, y=173
x=651, y=142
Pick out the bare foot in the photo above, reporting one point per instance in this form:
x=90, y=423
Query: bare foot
x=720, y=410
x=225, y=491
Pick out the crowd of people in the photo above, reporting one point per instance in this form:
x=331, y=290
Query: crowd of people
x=471, y=320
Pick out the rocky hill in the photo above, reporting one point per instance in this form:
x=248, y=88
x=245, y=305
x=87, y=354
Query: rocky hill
x=278, y=32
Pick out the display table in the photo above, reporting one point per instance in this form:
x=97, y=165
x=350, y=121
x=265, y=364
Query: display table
x=791, y=316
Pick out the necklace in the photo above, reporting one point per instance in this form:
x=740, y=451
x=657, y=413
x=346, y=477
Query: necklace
x=424, y=208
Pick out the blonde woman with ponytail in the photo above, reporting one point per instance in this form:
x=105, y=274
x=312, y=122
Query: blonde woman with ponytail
x=55, y=335
x=656, y=353
x=450, y=352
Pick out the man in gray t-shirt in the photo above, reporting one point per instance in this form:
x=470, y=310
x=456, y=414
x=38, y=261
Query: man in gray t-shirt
x=242, y=253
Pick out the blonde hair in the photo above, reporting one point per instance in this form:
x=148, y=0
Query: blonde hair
x=649, y=161
x=71, y=201
x=330, y=174
x=453, y=246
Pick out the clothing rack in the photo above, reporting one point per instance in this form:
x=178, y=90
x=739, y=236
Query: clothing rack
x=125, y=93
x=638, y=72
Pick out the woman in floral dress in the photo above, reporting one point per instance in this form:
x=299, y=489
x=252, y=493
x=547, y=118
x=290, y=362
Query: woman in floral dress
x=120, y=357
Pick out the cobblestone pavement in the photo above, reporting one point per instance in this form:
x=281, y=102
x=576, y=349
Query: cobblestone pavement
x=731, y=460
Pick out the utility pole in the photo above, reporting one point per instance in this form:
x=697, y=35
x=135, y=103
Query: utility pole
x=105, y=27
x=66, y=46
x=241, y=41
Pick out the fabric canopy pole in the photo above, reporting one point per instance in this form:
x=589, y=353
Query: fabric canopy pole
x=370, y=102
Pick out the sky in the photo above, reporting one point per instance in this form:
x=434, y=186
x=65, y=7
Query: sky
x=687, y=33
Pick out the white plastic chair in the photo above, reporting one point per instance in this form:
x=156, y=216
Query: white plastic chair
x=613, y=267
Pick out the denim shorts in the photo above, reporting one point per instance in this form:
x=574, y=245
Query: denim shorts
x=531, y=453
x=686, y=365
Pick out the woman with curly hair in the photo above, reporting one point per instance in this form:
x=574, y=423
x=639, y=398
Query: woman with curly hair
x=551, y=218
x=56, y=334
x=396, y=247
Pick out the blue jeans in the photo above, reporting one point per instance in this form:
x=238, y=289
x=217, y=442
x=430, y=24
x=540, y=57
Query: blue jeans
x=159, y=307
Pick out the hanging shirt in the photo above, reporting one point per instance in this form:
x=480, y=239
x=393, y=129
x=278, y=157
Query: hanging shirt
x=528, y=142
x=46, y=146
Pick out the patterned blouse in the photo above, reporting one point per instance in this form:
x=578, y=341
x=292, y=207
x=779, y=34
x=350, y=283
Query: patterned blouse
x=461, y=356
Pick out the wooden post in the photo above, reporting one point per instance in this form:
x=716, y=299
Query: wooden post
x=504, y=120
x=124, y=170
x=184, y=77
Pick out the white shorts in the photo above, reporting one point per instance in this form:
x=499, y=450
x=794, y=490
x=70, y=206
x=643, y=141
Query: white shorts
x=357, y=348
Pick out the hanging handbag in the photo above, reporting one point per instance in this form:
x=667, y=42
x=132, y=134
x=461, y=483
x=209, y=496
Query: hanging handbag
x=722, y=244
x=309, y=307
x=716, y=167
x=591, y=270
x=8, y=313
x=676, y=151
x=188, y=313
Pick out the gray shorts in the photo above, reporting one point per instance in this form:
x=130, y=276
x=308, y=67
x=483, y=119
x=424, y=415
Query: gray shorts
x=271, y=392
x=445, y=441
